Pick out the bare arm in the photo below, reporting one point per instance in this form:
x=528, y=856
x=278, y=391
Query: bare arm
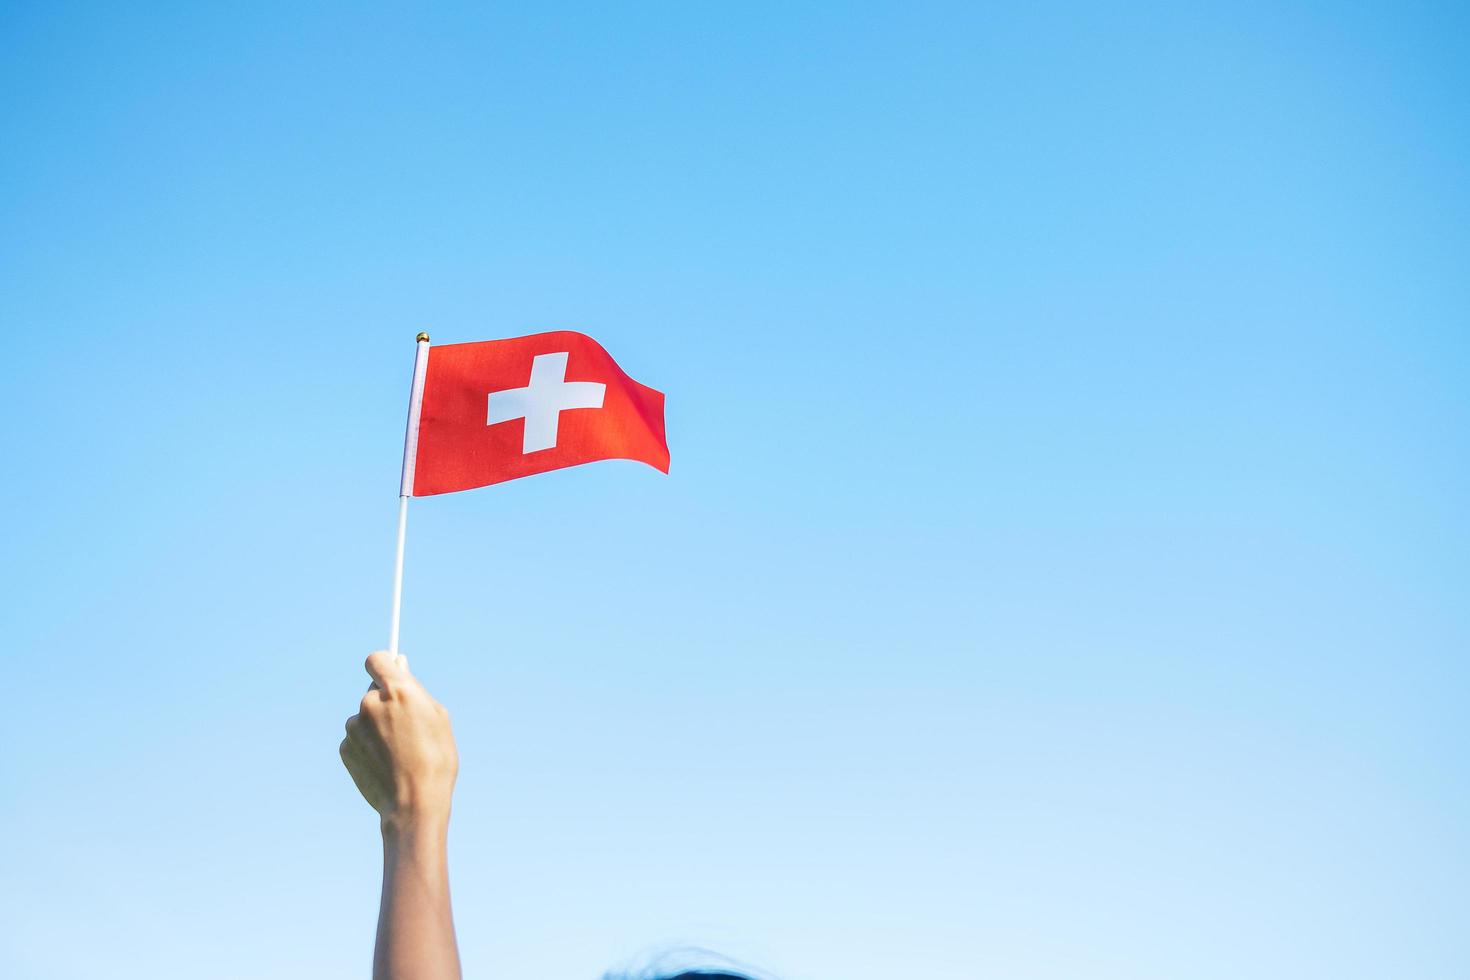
x=400, y=751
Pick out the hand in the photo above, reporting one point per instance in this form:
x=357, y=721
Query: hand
x=400, y=749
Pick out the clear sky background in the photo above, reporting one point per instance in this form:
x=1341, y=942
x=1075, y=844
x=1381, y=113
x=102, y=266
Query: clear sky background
x=1065, y=566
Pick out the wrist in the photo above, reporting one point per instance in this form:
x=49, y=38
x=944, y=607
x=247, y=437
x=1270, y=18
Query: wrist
x=415, y=826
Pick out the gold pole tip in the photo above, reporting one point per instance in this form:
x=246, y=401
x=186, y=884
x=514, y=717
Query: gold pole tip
x=421, y=338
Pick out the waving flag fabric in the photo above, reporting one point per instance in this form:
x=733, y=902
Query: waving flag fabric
x=502, y=409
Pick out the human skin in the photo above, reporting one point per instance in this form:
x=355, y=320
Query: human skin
x=400, y=751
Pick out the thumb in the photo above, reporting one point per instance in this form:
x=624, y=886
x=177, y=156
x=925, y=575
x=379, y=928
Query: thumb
x=386, y=669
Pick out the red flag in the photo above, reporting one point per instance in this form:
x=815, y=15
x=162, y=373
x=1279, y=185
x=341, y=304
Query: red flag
x=493, y=411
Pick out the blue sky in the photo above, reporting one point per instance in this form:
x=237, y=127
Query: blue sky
x=1063, y=569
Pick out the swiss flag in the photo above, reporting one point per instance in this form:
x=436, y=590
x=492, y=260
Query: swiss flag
x=488, y=412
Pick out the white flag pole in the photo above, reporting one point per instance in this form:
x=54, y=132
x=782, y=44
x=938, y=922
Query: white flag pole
x=405, y=485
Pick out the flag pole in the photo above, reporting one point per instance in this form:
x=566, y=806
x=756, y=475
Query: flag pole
x=405, y=485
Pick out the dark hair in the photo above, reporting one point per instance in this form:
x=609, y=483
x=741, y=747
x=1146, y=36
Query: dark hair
x=689, y=963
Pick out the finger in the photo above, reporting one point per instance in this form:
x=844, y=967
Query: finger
x=357, y=767
x=362, y=733
x=350, y=755
x=357, y=761
x=374, y=699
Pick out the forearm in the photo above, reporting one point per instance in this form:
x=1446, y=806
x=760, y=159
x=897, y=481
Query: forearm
x=415, y=926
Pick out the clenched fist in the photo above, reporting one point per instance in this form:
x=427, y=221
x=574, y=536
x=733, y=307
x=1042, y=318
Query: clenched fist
x=400, y=749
